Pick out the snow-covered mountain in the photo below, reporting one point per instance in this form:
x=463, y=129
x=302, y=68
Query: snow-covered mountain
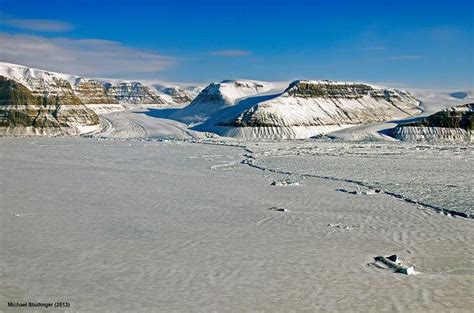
x=131, y=92
x=39, y=82
x=304, y=109
x=35, y=101
x=55, y=111
x=237, y=108
x=92, y=92
x=217, y=96
x=98, y=91
x=454, y=124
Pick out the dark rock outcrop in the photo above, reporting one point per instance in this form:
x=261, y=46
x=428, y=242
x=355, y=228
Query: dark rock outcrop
x=454, y=124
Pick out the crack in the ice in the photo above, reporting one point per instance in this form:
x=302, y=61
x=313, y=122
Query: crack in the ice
x=249, y=160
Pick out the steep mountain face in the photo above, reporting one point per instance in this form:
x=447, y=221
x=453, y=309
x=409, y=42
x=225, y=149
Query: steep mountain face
x=23, y=112
x=179, y=94
x=453, y=124
x=309, y=108
x=42, y=102
x=133, y=93
x=42, y=83
x=92, y=91
x=325, y=103
x=217, y=96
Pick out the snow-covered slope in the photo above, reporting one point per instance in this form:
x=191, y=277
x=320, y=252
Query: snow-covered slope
x=309, y=108
x=217, y=96
x=455, y=124
x=39, y=82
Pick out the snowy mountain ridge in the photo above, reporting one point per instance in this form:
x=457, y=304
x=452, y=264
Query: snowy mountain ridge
x=217, y=96
x=92, y=90
x=305, y=108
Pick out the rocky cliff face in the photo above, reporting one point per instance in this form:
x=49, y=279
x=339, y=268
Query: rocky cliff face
x=41, y=83
x=307, y=103
x=35, y=101
x=93, y=92
x=134, y=93
x=453, y=124
x=23, y=112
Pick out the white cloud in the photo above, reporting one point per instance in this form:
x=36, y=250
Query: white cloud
x=37, y=24
x=89, y=57
x=231, y=53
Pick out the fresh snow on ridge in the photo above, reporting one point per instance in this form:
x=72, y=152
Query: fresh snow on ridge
x=33, y=78
x=94, y=90
x=217, y=96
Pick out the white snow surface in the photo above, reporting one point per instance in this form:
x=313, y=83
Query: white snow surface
x=124, y=226
x=217, y=96
x=150, y=215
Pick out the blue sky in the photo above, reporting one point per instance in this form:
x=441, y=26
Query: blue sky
x=427, y=44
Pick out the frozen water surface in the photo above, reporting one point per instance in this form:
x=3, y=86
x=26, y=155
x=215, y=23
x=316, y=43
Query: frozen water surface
x=171, y=226
x=437, y=175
